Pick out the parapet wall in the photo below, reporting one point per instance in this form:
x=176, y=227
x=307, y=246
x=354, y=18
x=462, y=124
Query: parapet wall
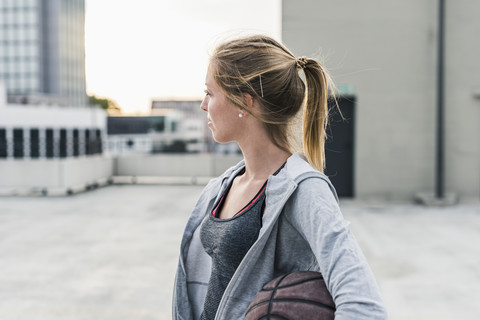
x=72, y=175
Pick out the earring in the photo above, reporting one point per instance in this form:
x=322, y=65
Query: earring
x=240, y=115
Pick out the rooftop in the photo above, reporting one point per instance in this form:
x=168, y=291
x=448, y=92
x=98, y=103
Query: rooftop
x=112, y=254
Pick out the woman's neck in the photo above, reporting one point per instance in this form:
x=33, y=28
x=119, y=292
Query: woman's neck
x=262, y=156
x=262, y=159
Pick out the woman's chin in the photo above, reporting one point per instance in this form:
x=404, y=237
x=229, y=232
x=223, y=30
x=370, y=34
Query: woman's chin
x=220, y=139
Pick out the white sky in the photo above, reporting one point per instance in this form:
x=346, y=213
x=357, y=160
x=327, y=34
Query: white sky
x=145, y=49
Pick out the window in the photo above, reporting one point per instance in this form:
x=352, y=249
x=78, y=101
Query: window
x=174, y=126
x=157, y=124
x=63, y=143
x=76, y=144
x=3, y=143
x=49, y=143
x=18, y=143
x=88, y=143
x=98, y=141
x=34, y=143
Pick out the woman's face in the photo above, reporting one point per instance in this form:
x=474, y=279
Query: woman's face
x=222, y=115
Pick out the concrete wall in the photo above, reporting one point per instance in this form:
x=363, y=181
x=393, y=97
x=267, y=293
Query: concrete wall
x=175, y=165
x=60, y=176
x=385, y=51
x=462, y=106
x=54, y=176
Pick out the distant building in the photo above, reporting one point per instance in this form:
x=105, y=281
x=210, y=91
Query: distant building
x=172, y=126
x=39, y=132
x=192, y=128
x=145, y=134
x=195, y=120
x=43, y=102
x=42, y=51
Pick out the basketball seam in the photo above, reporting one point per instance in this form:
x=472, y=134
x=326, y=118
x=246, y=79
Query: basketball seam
x=293, y=284
x=272, y=295
x=304, y=301
x=273, y=314
x=256, y=306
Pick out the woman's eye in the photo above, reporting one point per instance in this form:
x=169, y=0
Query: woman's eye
x=206, y=92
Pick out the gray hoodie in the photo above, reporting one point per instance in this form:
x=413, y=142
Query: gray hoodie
x=303, y=229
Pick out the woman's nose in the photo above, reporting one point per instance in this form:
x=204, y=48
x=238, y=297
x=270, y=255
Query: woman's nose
x=204, y=105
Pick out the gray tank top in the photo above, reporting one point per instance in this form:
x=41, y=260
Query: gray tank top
x=227, y=241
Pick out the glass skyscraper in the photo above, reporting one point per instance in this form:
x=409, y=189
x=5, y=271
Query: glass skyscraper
x=42, y=49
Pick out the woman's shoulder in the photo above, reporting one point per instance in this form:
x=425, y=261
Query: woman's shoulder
x=316, y=189
x=313, y=201
x=309, y=181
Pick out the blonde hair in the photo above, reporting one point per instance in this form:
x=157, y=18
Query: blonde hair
x=269, y=72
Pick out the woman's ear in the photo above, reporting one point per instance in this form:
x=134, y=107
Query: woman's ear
x=249, y=102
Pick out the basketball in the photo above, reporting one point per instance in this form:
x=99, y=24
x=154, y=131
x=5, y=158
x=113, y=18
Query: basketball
x=294, y=296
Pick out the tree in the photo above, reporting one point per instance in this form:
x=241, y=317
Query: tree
x=105, y=103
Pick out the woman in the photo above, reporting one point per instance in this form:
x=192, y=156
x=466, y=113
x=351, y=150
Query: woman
x=274, y=212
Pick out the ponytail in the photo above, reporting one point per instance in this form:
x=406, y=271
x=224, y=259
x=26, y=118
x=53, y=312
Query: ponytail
x=315, y=115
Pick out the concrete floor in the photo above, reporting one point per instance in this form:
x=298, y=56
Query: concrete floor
x=112, y=253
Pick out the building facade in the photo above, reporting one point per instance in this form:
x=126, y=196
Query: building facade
x=39, y=132
x=42, y=51
x=192, y=126
x=383, y=55
x=173, y=126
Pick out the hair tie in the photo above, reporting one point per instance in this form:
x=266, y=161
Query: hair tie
x=301, y=62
